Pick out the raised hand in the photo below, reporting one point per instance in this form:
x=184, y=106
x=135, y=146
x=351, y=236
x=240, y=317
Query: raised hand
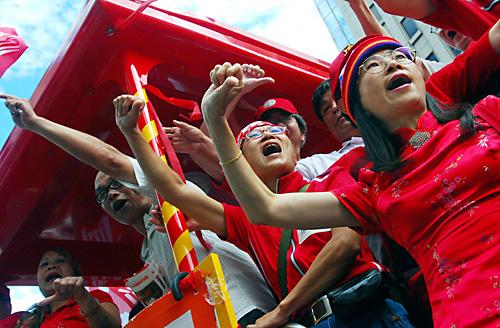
x=229, y=84
x=67, y=288
x=21, y=111
x=157, y=221
x=185, y=138
x=127, y=109
x=253, y=77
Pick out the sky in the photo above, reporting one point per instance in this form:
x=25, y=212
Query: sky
x=45, y=24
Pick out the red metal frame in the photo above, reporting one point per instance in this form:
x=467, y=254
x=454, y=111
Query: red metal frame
x=47, y=196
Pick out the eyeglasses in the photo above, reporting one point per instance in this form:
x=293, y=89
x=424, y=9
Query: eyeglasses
x=259, y=132
x=377, y=63
x=102, y=195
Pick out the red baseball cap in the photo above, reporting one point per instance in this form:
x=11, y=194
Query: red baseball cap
x=276, y=103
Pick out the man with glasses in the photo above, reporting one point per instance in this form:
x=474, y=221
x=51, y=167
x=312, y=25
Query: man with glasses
x=124, y=193
x=189, y=139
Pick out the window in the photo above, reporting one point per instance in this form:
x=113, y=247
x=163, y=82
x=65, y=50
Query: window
x=323, y=7
x=376, y=12
x=409, y=26
x=432, y=57
x=331, y=23
x=340, y=39
x=456, y=52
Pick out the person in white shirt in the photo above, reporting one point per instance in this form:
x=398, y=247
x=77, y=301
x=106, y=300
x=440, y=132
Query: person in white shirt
x=249, y=292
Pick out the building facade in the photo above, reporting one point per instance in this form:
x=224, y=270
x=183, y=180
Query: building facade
x=345, y=28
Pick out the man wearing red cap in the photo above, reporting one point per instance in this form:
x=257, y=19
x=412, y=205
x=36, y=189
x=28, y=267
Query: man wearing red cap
x=281, y=111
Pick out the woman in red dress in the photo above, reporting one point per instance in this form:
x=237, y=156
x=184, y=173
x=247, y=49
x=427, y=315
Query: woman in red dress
x=434, y=182
x=68, y=304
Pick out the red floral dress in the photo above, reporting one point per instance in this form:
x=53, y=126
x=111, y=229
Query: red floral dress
x=443, y=206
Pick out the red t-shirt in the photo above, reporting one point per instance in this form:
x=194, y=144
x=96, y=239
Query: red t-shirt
x=262, y=242
x=11, y=320
x=462, y=16
x=443, y=204
x=471, y=76
x=69, y=316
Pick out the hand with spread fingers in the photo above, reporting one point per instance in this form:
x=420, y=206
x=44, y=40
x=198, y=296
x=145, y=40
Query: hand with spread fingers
x=127, y=109
x=21, y=111
x=185, y=138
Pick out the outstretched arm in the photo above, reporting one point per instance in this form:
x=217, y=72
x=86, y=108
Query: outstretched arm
x=295, y=210
x=494, y=37
x=416, y=9
x=368, y=21
x=330, y=265
x=167, y=183
x=84, y=147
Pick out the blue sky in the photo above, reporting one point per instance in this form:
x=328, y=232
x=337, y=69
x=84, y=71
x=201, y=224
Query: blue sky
x=45, y=25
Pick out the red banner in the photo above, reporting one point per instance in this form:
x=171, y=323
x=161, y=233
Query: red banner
x=11, y=48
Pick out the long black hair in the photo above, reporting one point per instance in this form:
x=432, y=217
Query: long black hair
x=383, y=148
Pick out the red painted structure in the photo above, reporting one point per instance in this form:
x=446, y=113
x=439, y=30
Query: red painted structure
x=48, y=197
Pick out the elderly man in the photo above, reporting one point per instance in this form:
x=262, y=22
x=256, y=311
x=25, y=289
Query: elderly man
x=249, y=293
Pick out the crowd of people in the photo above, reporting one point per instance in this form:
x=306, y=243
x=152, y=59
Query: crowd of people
x=397, y=228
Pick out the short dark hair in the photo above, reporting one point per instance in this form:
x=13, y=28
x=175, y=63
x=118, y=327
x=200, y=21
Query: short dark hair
x=302, y=126
x=382, y=148
x=301, y=123
x=71, y=260
x=317, y=97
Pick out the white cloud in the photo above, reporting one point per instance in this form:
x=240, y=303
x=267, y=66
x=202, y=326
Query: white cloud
x=43, y=25
x=294, y=23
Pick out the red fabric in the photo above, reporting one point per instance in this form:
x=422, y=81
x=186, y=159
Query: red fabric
x=462, y=16
x=262, y=242
x=11, y=320
x=11, y=48
x=69, y=316
x=487, y=4
x=442, y=206
x=478, y=66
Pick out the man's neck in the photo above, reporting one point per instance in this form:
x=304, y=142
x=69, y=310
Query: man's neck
x=140, y=226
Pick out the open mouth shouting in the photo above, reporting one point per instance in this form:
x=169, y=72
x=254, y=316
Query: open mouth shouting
x=271, y=148
x=118, y=204
x=52, y=276
x=398, y=81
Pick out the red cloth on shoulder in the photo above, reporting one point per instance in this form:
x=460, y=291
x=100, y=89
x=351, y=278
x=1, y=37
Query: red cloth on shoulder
x=11, y=320
x=473, y=75
x=462, y=16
